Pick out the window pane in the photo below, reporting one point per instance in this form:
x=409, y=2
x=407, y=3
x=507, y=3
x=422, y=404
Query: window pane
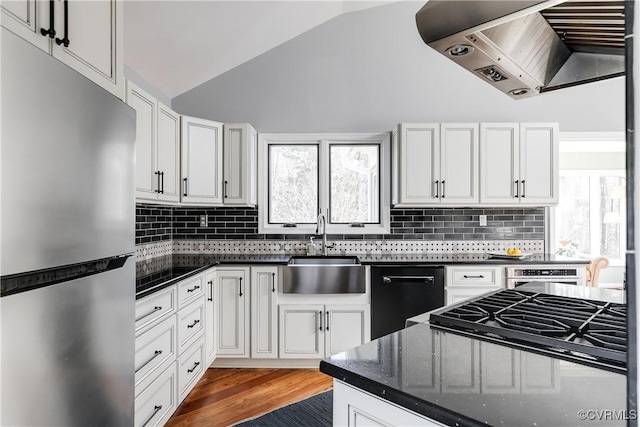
x=354, y=191
x=612, y=189
x=293, y=183
x=572, y=216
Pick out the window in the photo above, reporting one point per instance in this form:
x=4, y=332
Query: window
x=341, y=176
x=590, y=220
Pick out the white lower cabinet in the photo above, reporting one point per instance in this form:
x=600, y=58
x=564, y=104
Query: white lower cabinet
x=190, y=324
x=210, y=317
x=264, y=312
x=232, y=305
x=154, y=349
x=354, y=407
x=190, y=368
x=468, y=281
x=155, y=405
x=318, y=331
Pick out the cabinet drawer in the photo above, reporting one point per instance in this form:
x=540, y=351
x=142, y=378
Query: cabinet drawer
x=190, y=324
x=471, y=276
x=158, y=402
x=190, y=290
x=154, y=349
x=154, y=307
x=190, y=368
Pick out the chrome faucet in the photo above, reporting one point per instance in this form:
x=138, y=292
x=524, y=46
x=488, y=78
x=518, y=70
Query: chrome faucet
x=325, y=245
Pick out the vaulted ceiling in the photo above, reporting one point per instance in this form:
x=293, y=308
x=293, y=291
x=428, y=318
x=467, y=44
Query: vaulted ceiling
x=180, y=44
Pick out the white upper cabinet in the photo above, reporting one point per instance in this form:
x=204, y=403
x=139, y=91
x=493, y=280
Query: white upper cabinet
x=438, y=164
x=86, y=35
x=201, y=161
x=459, y=163
x=519, y=164
x=157, y=147
x=240, y=164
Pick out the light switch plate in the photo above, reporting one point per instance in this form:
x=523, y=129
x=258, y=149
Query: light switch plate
x=483, y=220
x=203, y=220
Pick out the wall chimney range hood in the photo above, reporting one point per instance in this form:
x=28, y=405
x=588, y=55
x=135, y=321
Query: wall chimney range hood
x=527, y=47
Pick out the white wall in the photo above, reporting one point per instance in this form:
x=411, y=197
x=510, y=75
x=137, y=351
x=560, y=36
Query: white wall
x=369, y=70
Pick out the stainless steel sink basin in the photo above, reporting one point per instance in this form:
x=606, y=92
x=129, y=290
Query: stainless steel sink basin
x=324, y=275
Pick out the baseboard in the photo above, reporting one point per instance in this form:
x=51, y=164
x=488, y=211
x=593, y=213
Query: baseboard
x=266, y=363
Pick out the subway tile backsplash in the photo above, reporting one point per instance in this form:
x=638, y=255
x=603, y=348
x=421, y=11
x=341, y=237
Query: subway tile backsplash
x=159, y=223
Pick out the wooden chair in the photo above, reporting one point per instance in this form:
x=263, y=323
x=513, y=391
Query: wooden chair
x=593, y=270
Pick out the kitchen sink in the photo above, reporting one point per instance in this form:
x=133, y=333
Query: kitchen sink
x=324, y=275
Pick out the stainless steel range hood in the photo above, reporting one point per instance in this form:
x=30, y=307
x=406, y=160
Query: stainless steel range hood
x=527, y=47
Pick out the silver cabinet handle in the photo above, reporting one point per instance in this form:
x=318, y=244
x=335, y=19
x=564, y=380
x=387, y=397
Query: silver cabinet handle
x=517, y=189
x=442, y=189
x=320, y=314
x=153, y=414
x=327, y=328
x=210, y=282
x=156, y=308
x=194, y=367
x=437, y=189
x=523, y=188
x=479, y=276
x=195, y=288
x=195, y=322
x=424, y=279
x=156, y=354
x=273, y=282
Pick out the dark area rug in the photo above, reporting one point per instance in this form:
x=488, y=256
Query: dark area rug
x=315, y=411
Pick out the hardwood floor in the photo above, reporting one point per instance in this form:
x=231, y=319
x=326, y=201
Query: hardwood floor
x=225, y=396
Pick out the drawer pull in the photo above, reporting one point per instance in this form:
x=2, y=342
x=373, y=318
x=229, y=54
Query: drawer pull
x=153, y=414
x=156, y=308
x=156, y=354
x=195, y=288
x=194, y=367
x=479, y=276
x=195, y=322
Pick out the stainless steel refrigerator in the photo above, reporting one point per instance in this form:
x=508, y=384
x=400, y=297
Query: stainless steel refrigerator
x=67, y=243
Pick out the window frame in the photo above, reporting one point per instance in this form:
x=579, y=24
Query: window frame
x=324, y=141
x=588, y=142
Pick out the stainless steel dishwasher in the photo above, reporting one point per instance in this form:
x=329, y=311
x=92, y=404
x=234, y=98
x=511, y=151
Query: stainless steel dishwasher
x=399, y=292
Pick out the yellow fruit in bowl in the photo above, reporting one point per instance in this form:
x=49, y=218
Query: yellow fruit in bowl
x=516, y=251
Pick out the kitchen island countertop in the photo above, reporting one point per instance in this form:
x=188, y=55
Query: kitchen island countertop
x=459, y=380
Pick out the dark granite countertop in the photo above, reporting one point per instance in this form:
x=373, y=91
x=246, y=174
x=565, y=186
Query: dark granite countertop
x=463, y=381
x=158, y=273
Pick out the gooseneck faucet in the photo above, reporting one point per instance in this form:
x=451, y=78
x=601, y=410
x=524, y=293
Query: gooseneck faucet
x=325, y=245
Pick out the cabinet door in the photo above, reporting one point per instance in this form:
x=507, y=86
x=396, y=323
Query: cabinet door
x=168, y=153
x=210, y=320
x=239, y=165
x=232, y=307
x=25, y=18
x=346, y=326
x=264, y=312
x=459, y=174
x=301, y=333
x=419, y=154
x=95, y=41
x=500, y=164
x=201, y=161
x=146, y=171
x=539, y=169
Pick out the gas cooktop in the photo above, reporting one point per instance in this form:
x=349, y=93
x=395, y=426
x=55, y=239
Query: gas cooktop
x=586, y=331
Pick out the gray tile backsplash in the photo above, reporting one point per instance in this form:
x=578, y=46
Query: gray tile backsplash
x=159, y=223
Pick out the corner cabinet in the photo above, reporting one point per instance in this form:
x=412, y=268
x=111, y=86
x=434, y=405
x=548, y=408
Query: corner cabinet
x=519, y=164
x=232, y=305
x=438, y=164
x=317, y=331
x=240, y=165
x=201, y=161
x=89, y=40
x=157, y=147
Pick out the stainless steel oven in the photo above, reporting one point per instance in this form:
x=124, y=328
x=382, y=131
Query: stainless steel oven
x=567, y=274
